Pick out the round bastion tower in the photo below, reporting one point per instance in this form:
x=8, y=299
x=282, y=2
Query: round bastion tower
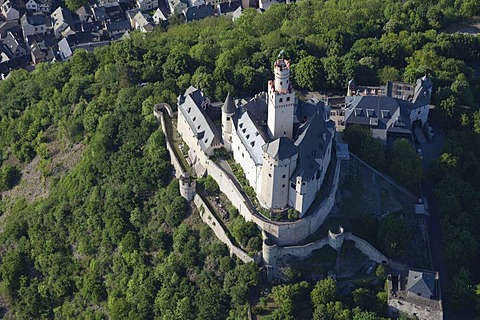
x=228, y=110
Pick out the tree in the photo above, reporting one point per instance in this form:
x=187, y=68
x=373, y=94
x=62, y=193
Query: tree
x=308, y=73
x=8, y=175
x=364, y=298
x=393, y=235
x=406, y=166
x=73, y=5
x=323, y=292
x=460, y=288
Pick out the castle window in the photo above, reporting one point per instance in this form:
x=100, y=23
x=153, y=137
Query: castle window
x=189, y=109
x=288, y=98
x=240, y=125
x=244, y=129
x=198, y=127
x=228, y=118
x=281, y=83
x=252, y=143
x=248, y=136
x=270, y=175
x=194, y=118
x=283, y=177
x=283, y=186
x=281, y=100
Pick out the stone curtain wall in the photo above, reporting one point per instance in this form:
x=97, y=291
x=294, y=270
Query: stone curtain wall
x=283, y=233
x=175, y=162
x=211, y=220
x=367, y=248
x=304, y=251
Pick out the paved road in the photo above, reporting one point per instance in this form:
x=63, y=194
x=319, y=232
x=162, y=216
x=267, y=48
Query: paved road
x=432, y=151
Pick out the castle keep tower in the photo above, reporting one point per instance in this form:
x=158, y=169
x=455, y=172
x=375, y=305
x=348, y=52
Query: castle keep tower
x=281, y=98
x=228, y=110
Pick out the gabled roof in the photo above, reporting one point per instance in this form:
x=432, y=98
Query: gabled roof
x=379, y=111
x=250, y=133
x=190, y=105
x=199, y=12
x=423, y=92
x=122, y=25
x=159, y=15
x=230, y=6
x=33, y=19
x=280, y=149
x=311, y=145
x=421, y=283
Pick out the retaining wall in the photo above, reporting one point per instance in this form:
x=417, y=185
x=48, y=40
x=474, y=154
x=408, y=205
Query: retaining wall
x=367, y=248
x=177, y=166
x=281, y=233
x=210, y=219
x=271, y=252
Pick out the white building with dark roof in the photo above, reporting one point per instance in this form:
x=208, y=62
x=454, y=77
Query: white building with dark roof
x=283, y=145
x=416, y=294
x=389, y=111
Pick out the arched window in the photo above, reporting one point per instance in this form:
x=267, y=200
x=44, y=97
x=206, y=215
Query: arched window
x=281, y=100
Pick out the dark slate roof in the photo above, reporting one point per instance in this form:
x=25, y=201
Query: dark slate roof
x=229, y=105
x=421, y=283
x=250, y=132
x=190, y=105
x=121, y=25
x=306, y=109
x=48, y=39
x=7, y=26
x=280, y=149
x=231, y=6
x=423, y=92
x=100, y=13
x=377, y=111
x=34, y=20
x=311, y=144
x=199, y=12
x=12, y=42
x=257, y=107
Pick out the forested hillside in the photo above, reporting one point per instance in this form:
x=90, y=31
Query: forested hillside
x=111, y=237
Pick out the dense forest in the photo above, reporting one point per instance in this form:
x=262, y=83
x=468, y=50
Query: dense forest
x=110, y=236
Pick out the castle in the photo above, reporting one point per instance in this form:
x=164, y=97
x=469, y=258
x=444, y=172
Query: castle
x=283, y=145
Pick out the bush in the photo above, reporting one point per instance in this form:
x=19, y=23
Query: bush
x=8, y=176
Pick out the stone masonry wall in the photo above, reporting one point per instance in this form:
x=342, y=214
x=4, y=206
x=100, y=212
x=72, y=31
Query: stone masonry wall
x=283, y=233
x=210, y=219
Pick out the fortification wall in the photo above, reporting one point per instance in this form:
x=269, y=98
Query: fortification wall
x=210, y=219
x=367, y=248
x=177, y=166
x=270, y=253
x=282, y=233
x=302, y=251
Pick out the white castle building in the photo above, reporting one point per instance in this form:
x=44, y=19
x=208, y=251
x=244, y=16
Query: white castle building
x=283, y=145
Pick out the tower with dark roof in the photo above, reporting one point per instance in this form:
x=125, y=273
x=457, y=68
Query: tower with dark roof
x=228, y=110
